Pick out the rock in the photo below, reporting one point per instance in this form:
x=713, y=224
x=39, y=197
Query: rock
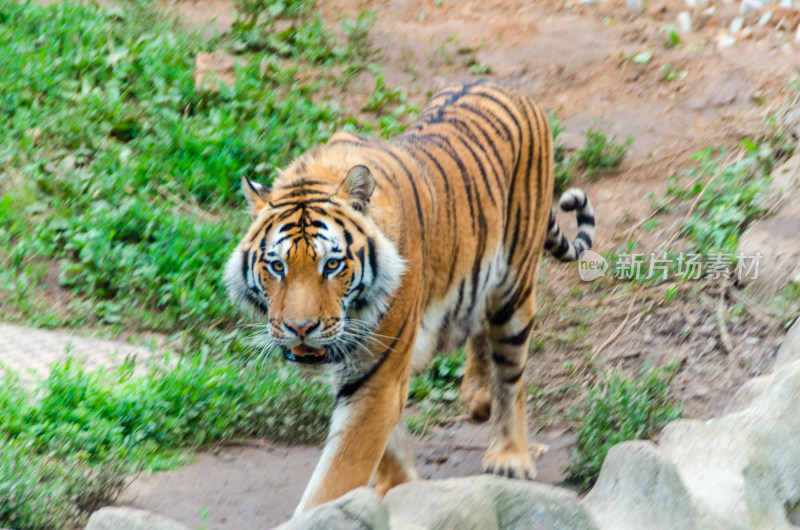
x=639, y=487
x=743, y=469
x=749, y=6
x=790, y=349
x=774, y=238
x=486, y=502
x=359, y=509
x=737, y=25
x=724, y=41
x=636, y=7
x=120, y=518
x=694, y=4
x=684, y=21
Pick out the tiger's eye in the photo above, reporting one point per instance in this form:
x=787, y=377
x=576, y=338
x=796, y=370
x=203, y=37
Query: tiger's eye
x=332, y=264
x=277, y=266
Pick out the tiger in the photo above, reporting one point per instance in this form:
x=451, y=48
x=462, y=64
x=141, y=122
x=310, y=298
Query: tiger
x=367, y=257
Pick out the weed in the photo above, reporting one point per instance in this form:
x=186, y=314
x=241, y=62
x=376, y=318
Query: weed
x=673, y=36
x=357, y=32
x=726, y=196
x=671, y=74
x=392, y=103
x=650, y=225
x=670, y=294
x=563, y=163
x=440, y=380
x=83, y=431
x=786, y=305
x=619, y=409
x=435, y=391
x=601, y=151
x=477, y=68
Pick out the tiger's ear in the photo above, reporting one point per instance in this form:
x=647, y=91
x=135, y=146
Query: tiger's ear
x=357, y=188
x=255, y=194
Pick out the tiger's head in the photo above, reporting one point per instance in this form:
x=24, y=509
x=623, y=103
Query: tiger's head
x=314, y=267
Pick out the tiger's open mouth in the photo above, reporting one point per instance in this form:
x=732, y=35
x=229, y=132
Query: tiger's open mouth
x=306, y=354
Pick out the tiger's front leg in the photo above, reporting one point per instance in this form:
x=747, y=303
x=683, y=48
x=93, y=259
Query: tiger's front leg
x=360, y=430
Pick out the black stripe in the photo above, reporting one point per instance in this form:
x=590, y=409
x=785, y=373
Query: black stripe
x=519, y=338
x=443, y=143
x=504, y=314
x=514, y=378
x=585, y=219
x=348, y=389
x=499, y=359
x=464, y=130
x=257, y=303
x=583, y=236
x=373, y=258
x=563, y=247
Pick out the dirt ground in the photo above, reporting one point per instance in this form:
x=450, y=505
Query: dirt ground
x=579, y=62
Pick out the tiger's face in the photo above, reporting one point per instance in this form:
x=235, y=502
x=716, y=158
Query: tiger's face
x=314, y=268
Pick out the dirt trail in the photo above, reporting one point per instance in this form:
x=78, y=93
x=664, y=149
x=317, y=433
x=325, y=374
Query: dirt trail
x=579, y=61
x=257, y=484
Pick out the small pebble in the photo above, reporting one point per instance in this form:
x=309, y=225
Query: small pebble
x=751, y=5
x=635, y=6
x=737, y=24
x=765, y=18
x=725, y=40
x=685, y=21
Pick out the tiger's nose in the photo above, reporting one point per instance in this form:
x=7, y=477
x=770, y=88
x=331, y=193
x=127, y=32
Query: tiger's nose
x=301, y=329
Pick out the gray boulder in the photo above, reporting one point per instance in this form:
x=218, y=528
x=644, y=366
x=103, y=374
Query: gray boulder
x=113, y=518
x=484, y=502
x=739, y=471
x=360, y=509
x=639, y=487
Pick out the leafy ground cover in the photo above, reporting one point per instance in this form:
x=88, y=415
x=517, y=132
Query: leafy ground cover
x=119, y=188
x=66, y=448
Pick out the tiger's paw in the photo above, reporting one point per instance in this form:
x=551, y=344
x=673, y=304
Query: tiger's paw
x=478, y=400
x=509, y=464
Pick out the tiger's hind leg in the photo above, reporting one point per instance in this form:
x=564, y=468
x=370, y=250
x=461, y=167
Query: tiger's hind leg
x=476, y=391
x=509, y=335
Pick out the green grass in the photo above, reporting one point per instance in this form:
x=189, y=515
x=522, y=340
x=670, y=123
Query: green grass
x=619, y=409
x=563, y=164
x=601, y=151
x=434, y=392
x=726, y=195
x=122, y=176
x=119, y=196
x=65, y=448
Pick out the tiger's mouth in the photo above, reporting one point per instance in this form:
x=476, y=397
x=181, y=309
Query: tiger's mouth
x=306, y=354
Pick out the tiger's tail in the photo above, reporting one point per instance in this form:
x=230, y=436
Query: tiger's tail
x=557, y=243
